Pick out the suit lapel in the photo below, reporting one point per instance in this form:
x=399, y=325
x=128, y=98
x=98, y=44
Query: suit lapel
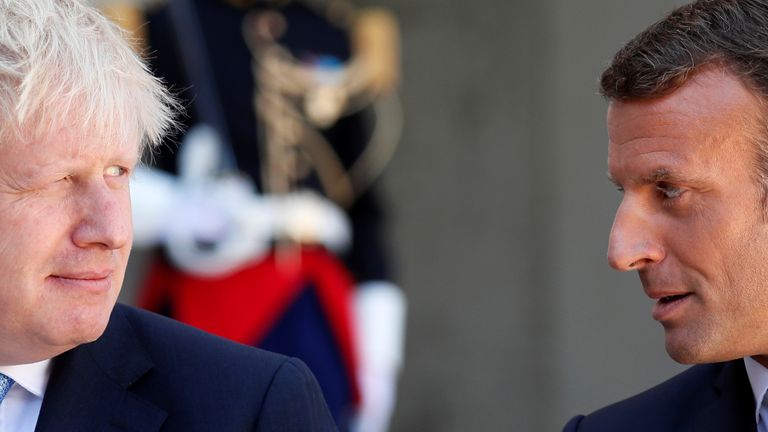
x=733, y=409
x=89, y=386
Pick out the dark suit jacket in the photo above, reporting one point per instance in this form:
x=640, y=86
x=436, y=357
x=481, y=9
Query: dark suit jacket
x=712, y=397
x=148, y=373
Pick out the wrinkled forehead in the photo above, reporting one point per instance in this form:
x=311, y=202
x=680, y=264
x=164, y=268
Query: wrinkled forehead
x=711, y=97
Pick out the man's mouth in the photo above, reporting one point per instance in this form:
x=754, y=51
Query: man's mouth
x=85, y=281
x=673, y=298
x=670, y=306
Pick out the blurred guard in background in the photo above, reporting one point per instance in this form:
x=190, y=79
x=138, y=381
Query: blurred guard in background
x=292, y=116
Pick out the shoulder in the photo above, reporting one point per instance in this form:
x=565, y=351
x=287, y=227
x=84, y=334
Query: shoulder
x=165, y=338
x=666, y=406
x=248, y=387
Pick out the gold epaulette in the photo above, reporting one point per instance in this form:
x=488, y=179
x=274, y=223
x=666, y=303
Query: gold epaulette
x=376, y=42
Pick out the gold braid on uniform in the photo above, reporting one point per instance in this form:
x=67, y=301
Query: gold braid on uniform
x=294, y=105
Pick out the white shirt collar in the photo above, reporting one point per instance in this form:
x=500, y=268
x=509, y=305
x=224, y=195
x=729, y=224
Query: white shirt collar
x=33, y=376
x=758, y=378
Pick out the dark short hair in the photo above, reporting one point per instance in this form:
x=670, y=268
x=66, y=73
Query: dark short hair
x=660, y=59
x=730, y=33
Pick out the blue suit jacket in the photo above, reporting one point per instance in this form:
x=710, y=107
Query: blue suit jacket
x=712, y=397
x=148, y=373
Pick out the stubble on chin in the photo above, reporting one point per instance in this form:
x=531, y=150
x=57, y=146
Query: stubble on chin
x=699, y=344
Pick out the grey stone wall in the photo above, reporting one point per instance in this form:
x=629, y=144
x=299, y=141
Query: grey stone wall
x=501, y=217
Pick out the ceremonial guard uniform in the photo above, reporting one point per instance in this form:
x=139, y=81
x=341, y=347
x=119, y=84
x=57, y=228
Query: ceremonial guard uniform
x=271, y=227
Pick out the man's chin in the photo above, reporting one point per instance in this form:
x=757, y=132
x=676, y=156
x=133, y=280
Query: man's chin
x=689, y=353
x=92, y=329
x=92, y=333
x=49, y=342
x=82, y=326
x=684, y=356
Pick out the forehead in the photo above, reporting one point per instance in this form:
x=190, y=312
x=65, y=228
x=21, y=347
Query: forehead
x=713, y=94
x=75, y=129
x=713, y=116
x=79, y=142
x=66, y=145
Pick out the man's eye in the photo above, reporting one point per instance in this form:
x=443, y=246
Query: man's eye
x=115, y=171
x=669, y=191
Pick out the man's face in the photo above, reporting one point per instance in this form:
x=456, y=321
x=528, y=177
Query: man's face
x=65, y=235
x=691, y=220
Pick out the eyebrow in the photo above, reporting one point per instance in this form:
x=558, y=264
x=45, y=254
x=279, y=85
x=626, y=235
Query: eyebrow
x=661, y=175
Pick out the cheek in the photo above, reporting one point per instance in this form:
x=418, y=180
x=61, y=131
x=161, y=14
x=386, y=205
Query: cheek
x=688, y=238
x=712, y=229
x=735, y=266
x=30, y=233
x=746, y=256
x=30, y=238
x=706, y=252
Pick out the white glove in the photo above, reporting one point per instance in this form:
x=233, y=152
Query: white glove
x=380, y=309
x=308, y=218
x=212, y=225
x=156, y=195
x=153, y=194
x=218, y=227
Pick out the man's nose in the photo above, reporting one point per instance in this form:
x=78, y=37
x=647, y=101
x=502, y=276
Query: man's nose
x=634, y=242
x=105, y=217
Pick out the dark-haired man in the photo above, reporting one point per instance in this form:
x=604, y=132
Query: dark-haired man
x=688, y=148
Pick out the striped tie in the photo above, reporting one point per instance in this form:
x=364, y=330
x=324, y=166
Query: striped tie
x=5, y=385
